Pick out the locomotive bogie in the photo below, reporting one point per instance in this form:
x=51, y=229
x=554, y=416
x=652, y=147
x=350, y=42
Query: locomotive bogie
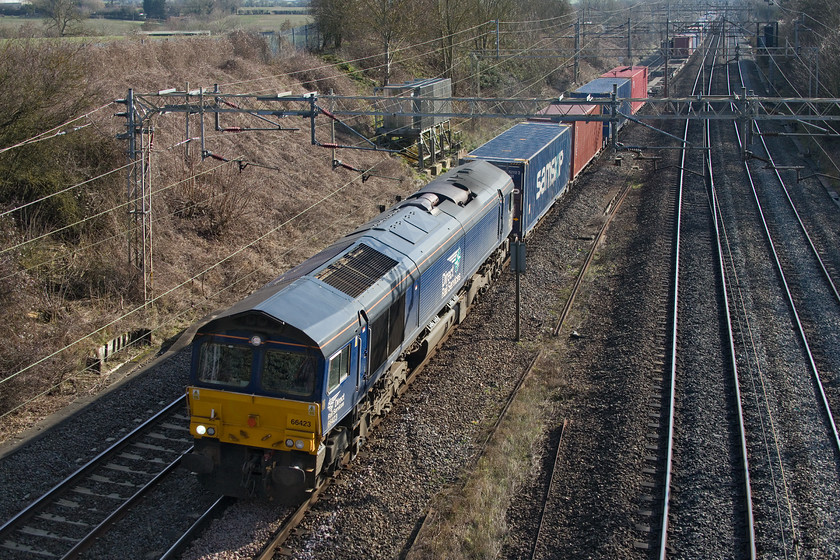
x=243, y=471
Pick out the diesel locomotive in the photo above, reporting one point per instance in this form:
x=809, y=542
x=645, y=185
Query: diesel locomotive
x=286, y=382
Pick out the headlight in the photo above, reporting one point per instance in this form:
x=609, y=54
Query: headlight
x=211, y=431
x=299, y=444
x=290, y=443
x=200, y=430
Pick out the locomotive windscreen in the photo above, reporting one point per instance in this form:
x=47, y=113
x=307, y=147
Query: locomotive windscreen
x=225, y=364
x=270, y=370
x=288, y=372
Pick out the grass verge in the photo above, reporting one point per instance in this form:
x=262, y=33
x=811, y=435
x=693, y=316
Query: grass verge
x=470, y=521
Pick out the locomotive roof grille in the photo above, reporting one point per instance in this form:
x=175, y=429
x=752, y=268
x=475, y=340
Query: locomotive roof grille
x=357, y=270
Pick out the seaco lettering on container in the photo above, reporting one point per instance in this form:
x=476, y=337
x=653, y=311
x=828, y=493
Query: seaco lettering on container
x=549, y=174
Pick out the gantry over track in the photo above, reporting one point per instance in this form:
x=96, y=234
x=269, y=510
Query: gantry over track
x=271, y=108
x=270, y=113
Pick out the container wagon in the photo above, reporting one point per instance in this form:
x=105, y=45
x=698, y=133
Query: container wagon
x=638, y=82
x=602, y=88
x=536, y=157
x=683, y=46
x=587, y=136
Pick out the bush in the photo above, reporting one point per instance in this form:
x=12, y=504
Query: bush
x=47, y=95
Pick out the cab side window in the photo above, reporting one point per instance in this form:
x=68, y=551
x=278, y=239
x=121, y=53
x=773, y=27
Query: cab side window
x=387, y=333
x=339, y=368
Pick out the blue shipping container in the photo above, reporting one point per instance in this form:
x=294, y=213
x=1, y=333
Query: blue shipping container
x=537, y=157
x=603, y=88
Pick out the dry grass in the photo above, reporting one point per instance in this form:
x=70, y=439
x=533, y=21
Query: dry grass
x=470, y=522
x=55, y=293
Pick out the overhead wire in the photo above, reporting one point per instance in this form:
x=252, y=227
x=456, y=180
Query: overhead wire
x=353, y=61
x=182, y=284
x=107, y=104
x=65, y=190
x=793, y=87
x=536, y=80
x=168, y=321
x=76, y=249
x=135, y=310
x=809, y=16
x=55, y=131
x=103, y=212
x=199, y=174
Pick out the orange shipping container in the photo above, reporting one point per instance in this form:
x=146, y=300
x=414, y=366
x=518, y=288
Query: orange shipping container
x=638, y=82
x=587, y=136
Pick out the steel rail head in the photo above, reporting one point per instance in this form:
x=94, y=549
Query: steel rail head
x=30, y=509
x=203, y=521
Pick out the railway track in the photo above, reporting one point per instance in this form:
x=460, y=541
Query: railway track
x=710, y=435
x=67, y=520
x=273, y=546
x=806, y=282
x=696, y=203
x=787, y=475
x=696, y=431
x=544, y=527
x=543, y=538
x=201, y=523
x=727, y=419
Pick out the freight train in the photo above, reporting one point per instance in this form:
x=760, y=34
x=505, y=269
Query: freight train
x=287, y=382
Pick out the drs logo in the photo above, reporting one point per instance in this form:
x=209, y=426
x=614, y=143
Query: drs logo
x=453, y=275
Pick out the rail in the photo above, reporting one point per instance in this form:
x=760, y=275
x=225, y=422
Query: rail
x=789, y=296
x=733, y=358
x=16, y=535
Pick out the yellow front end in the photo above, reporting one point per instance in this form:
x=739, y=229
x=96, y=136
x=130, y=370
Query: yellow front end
x=254, y=421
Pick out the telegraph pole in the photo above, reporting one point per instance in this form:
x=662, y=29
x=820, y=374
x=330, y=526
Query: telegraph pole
x=577, y=50
x=667, y=48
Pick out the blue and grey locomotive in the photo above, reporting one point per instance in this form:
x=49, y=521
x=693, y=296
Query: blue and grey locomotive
x=287, y=381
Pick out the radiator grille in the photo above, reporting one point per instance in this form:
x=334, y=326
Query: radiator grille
x=357, y=270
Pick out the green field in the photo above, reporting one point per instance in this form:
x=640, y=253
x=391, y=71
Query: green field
x=11, y=25
x=268, y=22
x=91, y=27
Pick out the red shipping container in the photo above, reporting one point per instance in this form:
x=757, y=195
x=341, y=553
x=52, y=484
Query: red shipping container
x=587, y=136
x=682, y=46
x=638, y=82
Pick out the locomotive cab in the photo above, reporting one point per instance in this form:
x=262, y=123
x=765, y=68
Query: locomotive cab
x=255, y=401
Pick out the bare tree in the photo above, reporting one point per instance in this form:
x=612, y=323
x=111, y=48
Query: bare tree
x=386, y=21
x=59, y=15
x=331, y=18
